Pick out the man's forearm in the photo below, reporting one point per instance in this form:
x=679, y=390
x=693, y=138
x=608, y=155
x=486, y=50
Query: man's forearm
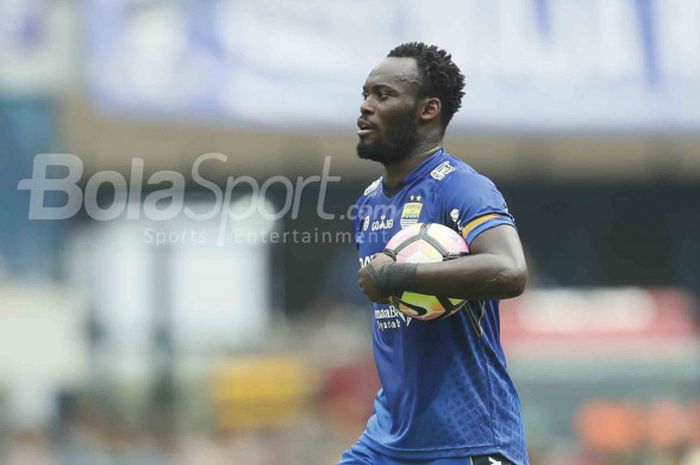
x=495, y=269
x=480, y=276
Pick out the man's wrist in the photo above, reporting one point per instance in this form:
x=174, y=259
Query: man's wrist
x=394, y=278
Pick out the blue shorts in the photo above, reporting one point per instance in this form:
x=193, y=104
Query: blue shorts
x=359, y=454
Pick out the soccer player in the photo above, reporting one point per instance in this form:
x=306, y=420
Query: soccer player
x=446, y=397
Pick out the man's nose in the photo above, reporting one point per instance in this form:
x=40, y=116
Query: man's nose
x=366, y=107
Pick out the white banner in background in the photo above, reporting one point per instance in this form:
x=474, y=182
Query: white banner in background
x=530, y=64
x=37, y=46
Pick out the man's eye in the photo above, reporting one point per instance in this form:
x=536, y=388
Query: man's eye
x=382, y=95
x=364, y=95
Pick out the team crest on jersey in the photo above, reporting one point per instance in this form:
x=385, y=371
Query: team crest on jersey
x=372, y=187
x=442, y=170
x=411, y=211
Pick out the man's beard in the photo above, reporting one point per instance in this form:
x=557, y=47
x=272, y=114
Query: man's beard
x=397, y=143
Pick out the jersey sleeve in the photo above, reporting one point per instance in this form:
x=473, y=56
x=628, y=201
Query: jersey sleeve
x=472, y=204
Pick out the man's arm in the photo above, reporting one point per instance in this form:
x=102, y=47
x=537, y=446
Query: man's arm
x=495, y=269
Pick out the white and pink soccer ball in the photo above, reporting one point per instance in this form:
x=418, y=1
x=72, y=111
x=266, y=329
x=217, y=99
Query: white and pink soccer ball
x=426, y=243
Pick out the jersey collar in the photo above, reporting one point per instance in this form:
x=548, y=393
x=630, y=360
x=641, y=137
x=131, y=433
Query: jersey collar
x=419, y=171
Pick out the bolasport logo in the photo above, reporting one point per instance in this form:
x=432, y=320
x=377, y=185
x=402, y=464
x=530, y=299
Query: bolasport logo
x=166, y=193
x=165, y=203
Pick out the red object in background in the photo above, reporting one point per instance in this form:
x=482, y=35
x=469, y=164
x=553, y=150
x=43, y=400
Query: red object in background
x=576, y=323
x=668, y=424
x=348, y=391
x=664, y=425
x=694, y=411
x=610, y=427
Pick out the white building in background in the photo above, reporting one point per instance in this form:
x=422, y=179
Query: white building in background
x=43, y=350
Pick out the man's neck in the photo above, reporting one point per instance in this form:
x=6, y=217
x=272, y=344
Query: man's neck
x=394, y=173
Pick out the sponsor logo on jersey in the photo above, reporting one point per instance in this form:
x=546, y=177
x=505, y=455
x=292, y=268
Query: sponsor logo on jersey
x=372, y=187
x=411, y=211
x=365, y=223
x=390, y=318
x=454, y=215
x=442, y=170
x=382, y=223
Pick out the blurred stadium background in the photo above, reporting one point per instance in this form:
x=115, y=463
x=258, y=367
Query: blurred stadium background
x=117, y=347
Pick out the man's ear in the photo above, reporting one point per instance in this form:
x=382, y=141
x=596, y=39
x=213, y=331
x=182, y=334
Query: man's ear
x=429, y=109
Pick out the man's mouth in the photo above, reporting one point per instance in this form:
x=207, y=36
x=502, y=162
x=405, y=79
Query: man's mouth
x=364, y=127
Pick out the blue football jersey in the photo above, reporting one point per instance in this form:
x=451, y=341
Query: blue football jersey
x=445, y=391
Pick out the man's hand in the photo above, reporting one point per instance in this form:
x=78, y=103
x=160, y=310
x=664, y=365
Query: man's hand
x=366, y=283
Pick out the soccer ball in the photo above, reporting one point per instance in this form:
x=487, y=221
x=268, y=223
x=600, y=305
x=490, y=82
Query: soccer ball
x=426, y=243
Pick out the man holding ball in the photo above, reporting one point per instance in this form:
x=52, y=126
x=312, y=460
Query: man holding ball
x=446, y=396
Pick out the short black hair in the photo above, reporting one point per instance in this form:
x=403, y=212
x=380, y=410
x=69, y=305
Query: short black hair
x=440, y=76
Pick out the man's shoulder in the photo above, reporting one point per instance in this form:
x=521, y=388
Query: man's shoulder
x=374, y=185
x=370, y=190
x=453, y=171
